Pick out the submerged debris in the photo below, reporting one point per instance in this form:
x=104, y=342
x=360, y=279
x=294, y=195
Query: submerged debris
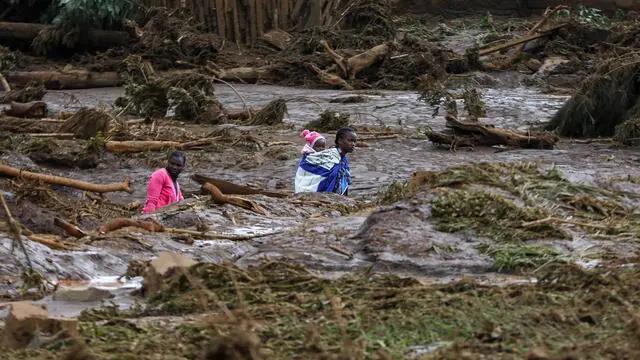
x=189, y=93
x=329, y=120
x=603, y=104
x=33, y=91
x=87, y=123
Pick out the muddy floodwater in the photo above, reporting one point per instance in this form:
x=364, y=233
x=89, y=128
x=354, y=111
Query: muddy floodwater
x=305, y=238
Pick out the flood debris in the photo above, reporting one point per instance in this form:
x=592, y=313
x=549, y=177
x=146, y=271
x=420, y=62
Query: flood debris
x=170, y=38
x=68, y=78
x=32, y=91
x=473, y=133
x=606, y=105
x=34, y=109
x=62, y=181
x=87, y=124
x=329, y=120
x=230, y=188
x=219, y=198
x=149, y=94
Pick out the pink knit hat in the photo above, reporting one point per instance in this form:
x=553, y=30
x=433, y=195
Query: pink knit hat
x=311, y=136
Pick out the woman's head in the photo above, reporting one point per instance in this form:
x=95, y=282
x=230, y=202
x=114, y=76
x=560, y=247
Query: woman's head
x=346, y=139
x=314, y=139
x=176, y=163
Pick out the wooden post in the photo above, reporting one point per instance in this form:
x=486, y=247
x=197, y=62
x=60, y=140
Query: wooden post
x=220, y=19
x=283, y=13
x=315, y=18
x=227, y=21
x=260, y=17
x=236, y=21
x=253, y=25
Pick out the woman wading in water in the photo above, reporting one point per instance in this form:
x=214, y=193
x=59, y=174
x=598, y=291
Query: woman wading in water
x=328, y=170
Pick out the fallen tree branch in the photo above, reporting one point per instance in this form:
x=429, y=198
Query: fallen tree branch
x=519, y=41
x=72, y=79
x=143, y=146
x=62, y=181
x=477, y=134
x=51, y=241
x=545, y=17
x=33, y=109
x=16, y=231
x=352, y=66
x=219, y=198
x=69, y=228
x=149, y=225
x=328, y=78
x=341, y=251
x=229, y=188
x=60, y=136
x=4, y=84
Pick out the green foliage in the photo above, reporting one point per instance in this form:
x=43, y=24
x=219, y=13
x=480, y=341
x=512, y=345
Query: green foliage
x=105, y=14
x=586, y=15
x=517, y=258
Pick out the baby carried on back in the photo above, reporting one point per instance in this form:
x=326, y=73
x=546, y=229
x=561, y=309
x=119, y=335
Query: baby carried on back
x=322, y=170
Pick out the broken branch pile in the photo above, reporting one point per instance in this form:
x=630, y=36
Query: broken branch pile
x=471, y=134
x=606, y=104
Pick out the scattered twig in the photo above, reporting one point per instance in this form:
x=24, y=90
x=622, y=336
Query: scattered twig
x=16, y=231
x=563, y=221
x=244, y=102
x=341, y=251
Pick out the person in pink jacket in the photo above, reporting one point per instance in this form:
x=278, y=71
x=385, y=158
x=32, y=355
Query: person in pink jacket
x=163, y=186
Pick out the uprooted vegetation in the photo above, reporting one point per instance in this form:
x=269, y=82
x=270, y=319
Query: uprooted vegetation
x=606, y=104
x=285, y=311
x=514, y=206
x=189, y=94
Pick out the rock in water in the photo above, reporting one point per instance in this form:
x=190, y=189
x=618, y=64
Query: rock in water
x=161, y=268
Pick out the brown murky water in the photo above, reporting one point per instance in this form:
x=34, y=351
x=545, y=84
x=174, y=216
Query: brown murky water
x=509, y=105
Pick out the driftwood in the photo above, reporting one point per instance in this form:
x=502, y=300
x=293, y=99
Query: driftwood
x=69, y=79
x=545, y=17
x=519, y=41
x=242, y=74
x=142, y=146
x=4, y=84
x=151, y=226
x=219, y=198
x=16, y=125
x=58, y=136
x=33, y=109
x=230, y=188
x=352, y=66
x=93, y=39
x=62, y=181
x=54, y=242
x=69, y=228
x=329, y=78
x=477, y=134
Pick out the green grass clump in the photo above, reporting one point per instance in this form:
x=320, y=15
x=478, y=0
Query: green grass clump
x=489, y=215
x=520, y=258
